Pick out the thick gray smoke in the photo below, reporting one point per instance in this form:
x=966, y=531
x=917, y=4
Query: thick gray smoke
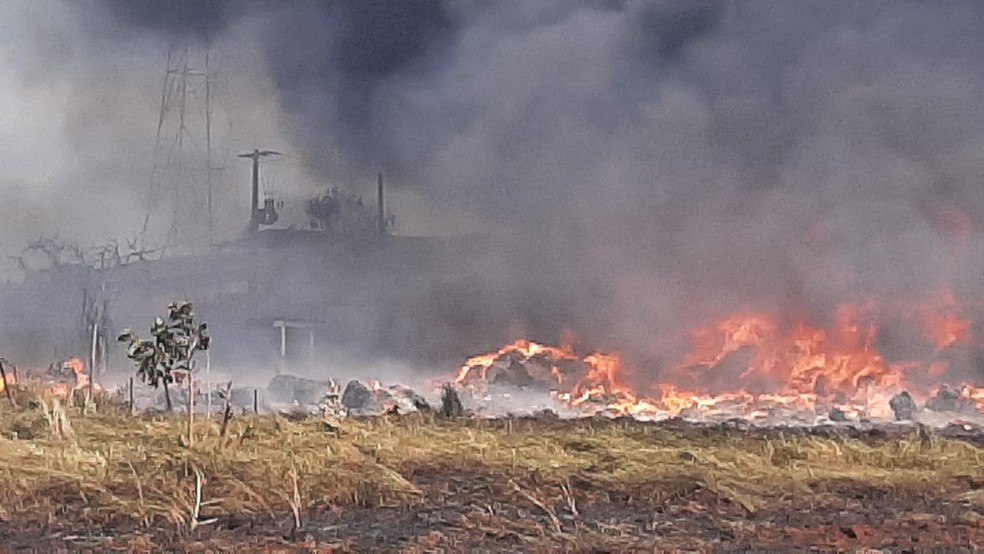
x=646, y=164
x=82, y=93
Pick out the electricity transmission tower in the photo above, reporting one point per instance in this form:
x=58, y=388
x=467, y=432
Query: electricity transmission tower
x=181, y=196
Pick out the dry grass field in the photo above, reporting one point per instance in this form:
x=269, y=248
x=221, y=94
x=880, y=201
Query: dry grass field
x=101, y=479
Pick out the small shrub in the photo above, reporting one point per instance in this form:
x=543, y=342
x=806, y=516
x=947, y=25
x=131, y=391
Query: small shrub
x=175, y=341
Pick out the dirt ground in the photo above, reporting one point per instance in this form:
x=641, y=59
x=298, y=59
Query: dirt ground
x=422, y=483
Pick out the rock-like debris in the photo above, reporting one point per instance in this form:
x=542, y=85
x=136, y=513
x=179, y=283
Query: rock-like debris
x=290, y=388
x=407, y=400
x=903, y=406
x=948, y=399
x=357, y=395
x=837, y=414
x=361, y=399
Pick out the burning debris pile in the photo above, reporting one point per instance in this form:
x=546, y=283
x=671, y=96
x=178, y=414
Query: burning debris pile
x=753, y=367
x=356, y=399
x=371, y=399
x=67, y=376
x=524, y=364
x=583, y=385
x=60, y=378
x=759, y=367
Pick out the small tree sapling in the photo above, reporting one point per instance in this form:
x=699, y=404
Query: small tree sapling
x=175, y=341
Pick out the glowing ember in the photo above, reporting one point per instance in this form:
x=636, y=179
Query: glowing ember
x=752, y=365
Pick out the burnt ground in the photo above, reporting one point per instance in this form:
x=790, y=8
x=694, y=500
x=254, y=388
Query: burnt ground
x=789, y=502
x=468, y=511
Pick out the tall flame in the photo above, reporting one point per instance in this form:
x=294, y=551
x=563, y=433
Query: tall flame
x=751, y=360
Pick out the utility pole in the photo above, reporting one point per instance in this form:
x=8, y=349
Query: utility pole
x=208, y=152
x=380, y=203
x=266, y=215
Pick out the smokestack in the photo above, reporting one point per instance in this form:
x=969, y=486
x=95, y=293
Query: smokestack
x=381, y=203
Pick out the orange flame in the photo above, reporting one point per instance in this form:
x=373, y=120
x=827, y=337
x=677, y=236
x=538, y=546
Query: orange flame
x=8, y=380
x=78, y=367
x=523, y=346
x=765, y=366
x=81, y=378
x=61, y=387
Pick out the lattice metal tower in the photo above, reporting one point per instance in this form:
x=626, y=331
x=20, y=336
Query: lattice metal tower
x=180, y=204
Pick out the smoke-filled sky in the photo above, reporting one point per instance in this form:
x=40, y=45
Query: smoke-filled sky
x=659, y=159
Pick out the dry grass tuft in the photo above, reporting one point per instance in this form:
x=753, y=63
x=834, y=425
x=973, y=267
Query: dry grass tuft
x=107, y=469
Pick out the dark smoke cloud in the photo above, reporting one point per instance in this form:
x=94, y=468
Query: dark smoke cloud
x=200, y=19
x=341, y=50
x=329, y=61
x=651, y=163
